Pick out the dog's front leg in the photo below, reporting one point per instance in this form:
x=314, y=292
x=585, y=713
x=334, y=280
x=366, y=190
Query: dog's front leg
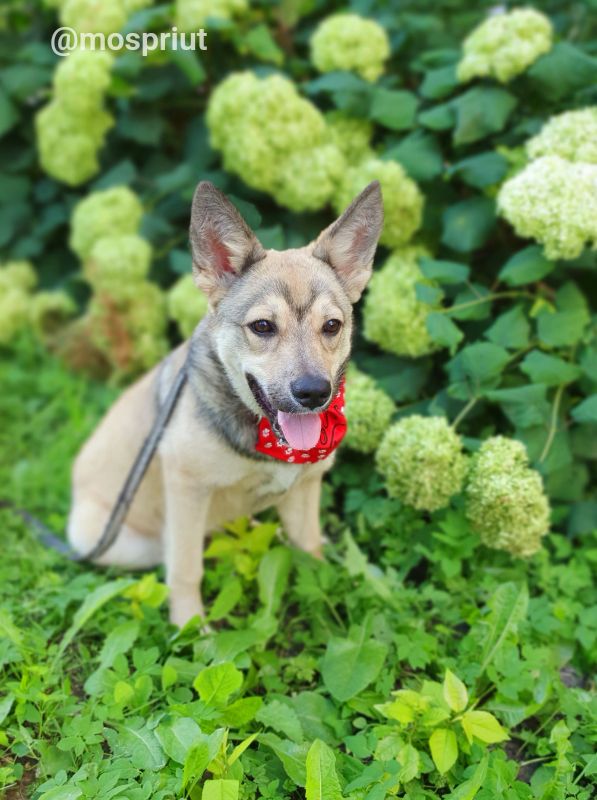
x=184, y=533
x=299, y=512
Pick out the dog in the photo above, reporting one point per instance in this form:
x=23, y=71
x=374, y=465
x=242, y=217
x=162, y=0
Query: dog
x=273, y=346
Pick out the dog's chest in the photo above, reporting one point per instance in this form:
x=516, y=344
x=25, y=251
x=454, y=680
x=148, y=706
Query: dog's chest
x=260, y=487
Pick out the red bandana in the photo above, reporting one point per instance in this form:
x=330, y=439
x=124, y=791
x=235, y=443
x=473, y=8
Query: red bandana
x=333, y=428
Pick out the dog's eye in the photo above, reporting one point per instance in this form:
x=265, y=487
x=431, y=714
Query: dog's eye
x=332, y=326
x=262, y=327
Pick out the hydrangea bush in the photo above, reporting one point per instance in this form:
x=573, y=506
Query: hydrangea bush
x=472, y=400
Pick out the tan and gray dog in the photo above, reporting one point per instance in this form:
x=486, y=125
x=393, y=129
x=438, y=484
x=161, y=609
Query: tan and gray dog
x=275, y=343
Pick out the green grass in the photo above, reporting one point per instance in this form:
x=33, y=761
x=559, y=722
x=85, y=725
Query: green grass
x=101, y=697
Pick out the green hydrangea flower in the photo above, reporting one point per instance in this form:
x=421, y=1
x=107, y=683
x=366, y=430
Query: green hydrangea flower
x=81, y=80
x=308, y=178
x=187, y=305
x=368, y=412
x=351, y=135
x=191, y=15
x=94, y=16
x=110, y=212
x=17, y=275
x=505, y=45
x=350, y=42
x=71, y=128
x=274, y=139
x=49, y=312
x=422, y=462
x=505, y=501
x=403, y=202
x=572, y=135
x=116, y=264
x=554, y=202
x=393, y=317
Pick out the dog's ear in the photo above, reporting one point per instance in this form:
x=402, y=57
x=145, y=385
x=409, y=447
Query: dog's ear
x=349, y=244
x=222, y=244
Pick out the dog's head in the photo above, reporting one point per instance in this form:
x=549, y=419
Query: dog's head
x=282, y=320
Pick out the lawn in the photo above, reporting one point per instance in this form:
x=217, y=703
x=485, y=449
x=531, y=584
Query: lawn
x=353, y=671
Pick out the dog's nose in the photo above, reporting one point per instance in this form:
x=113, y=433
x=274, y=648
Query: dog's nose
x=311, y=391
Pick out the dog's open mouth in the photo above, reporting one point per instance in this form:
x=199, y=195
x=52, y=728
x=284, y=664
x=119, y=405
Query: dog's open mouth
x=300, y=431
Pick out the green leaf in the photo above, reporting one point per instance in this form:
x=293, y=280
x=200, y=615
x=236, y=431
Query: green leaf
x=563, y=71
x=420, y=155
x=444, y=749
x=9, y=115
x=550, y=370
x=215, y=684
x=62, y=793
x=228, y=596
x=483, y=726
x=526, y=266
x=480, y=112
x=136, y=741
x=292, y=756
x=410, y=763
x=395, y=109
x=220, y=790
x=587, y=410
x=321, y=779
x=508, y=606
x=483, y=362
x=470, y=787
x=199, y=756
x=484, y=169
x=467, y=225
x=442, y=330
x=178, y=736
x=430, y=295
x=511, y=329
x=524, y=406
x=349, y=665
x=439, y=83
x=262, y=44
x=281, y=718
x=438, y=118
x=91, y=605
x=448, y=272
x=455, y=693
x=272, y=577
x=237, y=714
x=188, y=61
x=561, y=328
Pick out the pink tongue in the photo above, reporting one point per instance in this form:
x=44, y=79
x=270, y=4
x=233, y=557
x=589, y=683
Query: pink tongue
x=301, y=431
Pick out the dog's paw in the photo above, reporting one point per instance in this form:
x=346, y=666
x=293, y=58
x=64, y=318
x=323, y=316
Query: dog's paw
x=183, y=607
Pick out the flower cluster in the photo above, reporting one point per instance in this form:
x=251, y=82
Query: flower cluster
x=274, y=140
x=572, y=135
x=71, y=128
x=505, y=45
x=368, y=412
x=351, y=135
x=21, y=308
x=187, y=305
x=126, y=318
x=554, y=201
x=422, y=462
x=403, y=202
x=350, y=42
x=394, y=318
x=505, y=501
x=191, y=15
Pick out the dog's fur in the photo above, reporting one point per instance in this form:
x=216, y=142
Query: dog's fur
x=206, y=470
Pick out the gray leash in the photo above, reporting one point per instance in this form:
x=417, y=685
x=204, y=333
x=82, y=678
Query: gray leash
x=128, y=491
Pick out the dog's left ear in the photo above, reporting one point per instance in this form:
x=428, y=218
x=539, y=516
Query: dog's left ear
x=349, y=244
x=222, y=244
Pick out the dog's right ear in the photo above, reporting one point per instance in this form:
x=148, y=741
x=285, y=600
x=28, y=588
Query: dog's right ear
x=222, y=244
